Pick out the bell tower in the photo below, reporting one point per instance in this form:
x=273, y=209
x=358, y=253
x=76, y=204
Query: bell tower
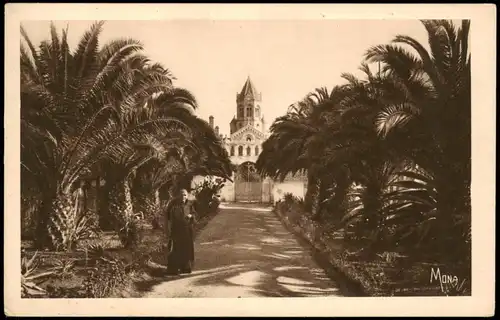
x=248, y=108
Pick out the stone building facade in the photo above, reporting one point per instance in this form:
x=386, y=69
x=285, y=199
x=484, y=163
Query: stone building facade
x=248, y=131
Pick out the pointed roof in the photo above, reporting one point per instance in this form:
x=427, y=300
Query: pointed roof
x=248, y=89
x=238, y=134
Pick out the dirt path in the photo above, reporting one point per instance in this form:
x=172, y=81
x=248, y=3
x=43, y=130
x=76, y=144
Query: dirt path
x=246, y=252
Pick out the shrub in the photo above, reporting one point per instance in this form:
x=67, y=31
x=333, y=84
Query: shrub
x=130, y=234
x=129, y=231
x=207, y=195
x=289, y=198
x=293, y=207
x=107, y=277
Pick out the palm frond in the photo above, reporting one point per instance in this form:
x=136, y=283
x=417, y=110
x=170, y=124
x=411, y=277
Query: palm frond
x=395, y=116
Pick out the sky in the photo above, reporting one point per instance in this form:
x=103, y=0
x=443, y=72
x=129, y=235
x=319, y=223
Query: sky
x=213, y=58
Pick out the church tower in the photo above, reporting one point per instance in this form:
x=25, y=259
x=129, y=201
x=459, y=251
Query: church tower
x=248, y=109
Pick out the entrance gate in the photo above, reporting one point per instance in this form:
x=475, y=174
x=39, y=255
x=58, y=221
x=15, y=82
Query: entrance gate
x=247, y=184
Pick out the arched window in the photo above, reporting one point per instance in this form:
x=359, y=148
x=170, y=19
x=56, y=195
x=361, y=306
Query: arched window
x=249, y=151
x=256, y=150
x=232, y=150
x=249, y=138
x=240, y=150
x=240, y=112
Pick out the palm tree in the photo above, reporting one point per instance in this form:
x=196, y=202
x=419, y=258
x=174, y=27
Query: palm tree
x=434, y=119
x=150, y=178
x=397, y=134
x=337, y=141
x=178, y=162
x=372, y=162
x=307, y=137
x=80, y=108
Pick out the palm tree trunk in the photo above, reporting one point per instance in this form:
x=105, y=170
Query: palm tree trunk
x=121, y=210
x=339, y=201
x=105, y=217
x=120, y=200
x=85, y=190
x=151, y=203
x=140, y=201
x=61, y=224
x=315, y=198
x=157, y=199
x=372, y=204
x=453, y=202
x=156, y=210
x=42, y=237
x=312, y=192
x=322, y=194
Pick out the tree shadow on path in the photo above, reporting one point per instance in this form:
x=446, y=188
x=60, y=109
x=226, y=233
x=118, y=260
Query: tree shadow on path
x=245, y=251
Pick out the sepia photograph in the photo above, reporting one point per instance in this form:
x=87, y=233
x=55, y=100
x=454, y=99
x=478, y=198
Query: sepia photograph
x=325, y=158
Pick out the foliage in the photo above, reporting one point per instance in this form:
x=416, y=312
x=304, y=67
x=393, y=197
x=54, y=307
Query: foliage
x=59, y=89
x=102, y=116
x=107, y=276
x=388, y=273
x=70, y=225
x=29, y=276
x=130, y=231
x=207, y=195
x=29, y=207
x=294, y=206
x=387, y=155
x=98, y=113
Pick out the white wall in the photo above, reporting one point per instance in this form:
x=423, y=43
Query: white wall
x=297, y=188
x=197, y=180
x=278, y=189
x=227, y=192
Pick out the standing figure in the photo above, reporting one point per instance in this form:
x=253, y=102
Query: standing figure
x=181, y=218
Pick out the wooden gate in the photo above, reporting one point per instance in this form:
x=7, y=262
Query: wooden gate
x=247, y=184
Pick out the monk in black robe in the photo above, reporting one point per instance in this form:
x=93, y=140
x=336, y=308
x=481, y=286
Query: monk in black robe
x=181, y=218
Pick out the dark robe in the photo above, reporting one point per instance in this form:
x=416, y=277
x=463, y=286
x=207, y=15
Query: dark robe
x=181, y=236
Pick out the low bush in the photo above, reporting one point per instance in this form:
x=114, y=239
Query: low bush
x=106, y=279
x=380, y=273
x=95, y=274
x=207, y=196
x=130, y=233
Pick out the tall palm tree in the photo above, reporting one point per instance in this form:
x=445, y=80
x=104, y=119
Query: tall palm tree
x=151, y=177
x=305, y=135
x=202, y=155
x=402, y=135
x=80, y=108
x=288, y=133
x=434, y=119
x=338, y=142
x=373, y=160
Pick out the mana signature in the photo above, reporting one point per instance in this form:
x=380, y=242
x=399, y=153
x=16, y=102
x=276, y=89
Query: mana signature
x=446, y=280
